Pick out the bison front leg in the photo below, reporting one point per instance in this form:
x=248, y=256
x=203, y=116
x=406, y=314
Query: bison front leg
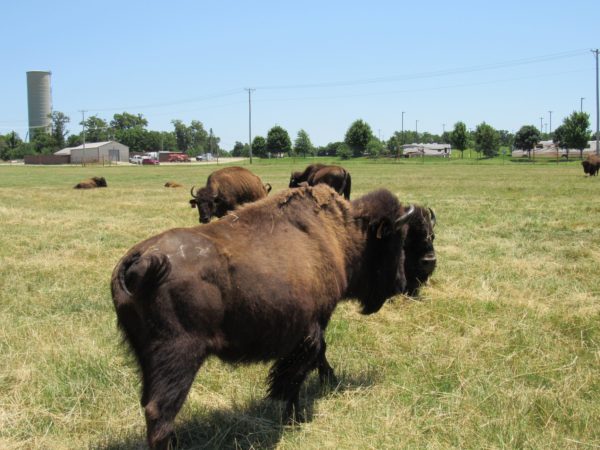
x=288, y=373
x=326, y=374
x=168, y=374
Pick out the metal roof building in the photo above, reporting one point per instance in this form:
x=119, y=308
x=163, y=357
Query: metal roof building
x=96, y=152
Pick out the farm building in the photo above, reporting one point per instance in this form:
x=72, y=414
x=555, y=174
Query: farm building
x=96, y=152
x=412, y=150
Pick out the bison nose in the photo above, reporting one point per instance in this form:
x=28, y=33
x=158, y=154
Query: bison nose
x=429, y=260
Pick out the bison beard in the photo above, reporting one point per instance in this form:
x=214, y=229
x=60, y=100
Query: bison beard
x=231, y=289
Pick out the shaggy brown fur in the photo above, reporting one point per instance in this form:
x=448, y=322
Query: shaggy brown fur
x=231, y=289
x=591, y=165
x=91, y=183
x=173, y=184
x=225, y=190
x=335, y=176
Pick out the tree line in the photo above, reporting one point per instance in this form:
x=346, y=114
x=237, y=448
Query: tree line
x=359, y=140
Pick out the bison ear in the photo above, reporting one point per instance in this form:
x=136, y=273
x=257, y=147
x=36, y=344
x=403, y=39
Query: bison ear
x=193, y=203
x=383, y=229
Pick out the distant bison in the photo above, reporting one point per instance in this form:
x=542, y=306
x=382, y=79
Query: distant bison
x=335, y=176
x=94, y=182
x=173, y=184
x=258, y=285
x=591, y=165
x=225, y=190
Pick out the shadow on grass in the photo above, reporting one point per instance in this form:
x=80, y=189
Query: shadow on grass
x=255, y=425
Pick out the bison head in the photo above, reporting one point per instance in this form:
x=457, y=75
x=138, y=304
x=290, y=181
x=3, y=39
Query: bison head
x=100, y=181
x=384, y=220
x=419, y=255
x=206, y=201
x=295, y=179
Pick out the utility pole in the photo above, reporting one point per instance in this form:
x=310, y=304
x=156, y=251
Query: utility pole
x=595, y=52
x=250, y=121
x=550, y=112
x=581, y=104
x=83, y=111
x=541, y=124
x=403, y=112
x=416, y=131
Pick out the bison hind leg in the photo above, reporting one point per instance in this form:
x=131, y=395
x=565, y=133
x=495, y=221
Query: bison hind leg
x=288, y=373
x=168, y=373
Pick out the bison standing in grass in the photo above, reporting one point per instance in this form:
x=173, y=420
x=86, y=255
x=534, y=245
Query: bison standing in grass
x=257, y=285
x=591, y=165
x=94, y=182
x=335, y=176
x=225, y=190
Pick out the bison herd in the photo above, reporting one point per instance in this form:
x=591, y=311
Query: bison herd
x=261, y=283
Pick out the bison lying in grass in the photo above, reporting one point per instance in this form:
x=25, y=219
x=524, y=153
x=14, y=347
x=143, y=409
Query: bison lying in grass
x=91, y=183
x=258, y=285
x=225, y=190
x=173, y=184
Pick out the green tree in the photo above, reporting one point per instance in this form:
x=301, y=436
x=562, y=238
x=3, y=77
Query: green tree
x=459, y=139
x=303, y=145
x=127, y=121
x=576, y=132
x=344, y=151
x=44, y=143
x=527, y=138
x=278, y=140
x=240, y=149
x=182, y=135
x=358, y=136
x=74, y=140
x=374, y=148
x=487, y=140
x=198, y=138
x=135, y=138
x=59, y=131
x=259, y=147
x=559, y=139
x=96, y=129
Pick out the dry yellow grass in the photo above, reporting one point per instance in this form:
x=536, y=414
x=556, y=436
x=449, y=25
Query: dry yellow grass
x=502, y=350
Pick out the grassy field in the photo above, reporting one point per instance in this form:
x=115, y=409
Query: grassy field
x=502, y=349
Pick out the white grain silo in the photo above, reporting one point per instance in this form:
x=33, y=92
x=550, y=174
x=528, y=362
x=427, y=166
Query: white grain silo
x=39, y=100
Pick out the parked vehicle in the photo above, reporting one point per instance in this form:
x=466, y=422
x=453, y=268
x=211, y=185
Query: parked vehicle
x=136, y=159
x=148, y=160
x=178, y=157
x=205, y=157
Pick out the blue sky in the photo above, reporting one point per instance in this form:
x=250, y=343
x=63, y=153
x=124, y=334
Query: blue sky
x=315, y=65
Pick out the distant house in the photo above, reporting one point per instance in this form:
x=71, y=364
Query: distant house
x=96, y=152
x=412, y=150
x=550, y=149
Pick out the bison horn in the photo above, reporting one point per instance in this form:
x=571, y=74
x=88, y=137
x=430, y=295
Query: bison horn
x=432, y=214
x=192, y=192
x=404, y=218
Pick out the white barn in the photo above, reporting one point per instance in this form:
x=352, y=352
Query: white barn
x=412, y=150
x=96, y=152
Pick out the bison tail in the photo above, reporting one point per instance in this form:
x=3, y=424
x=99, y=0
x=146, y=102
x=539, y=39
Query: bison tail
x=138, y=275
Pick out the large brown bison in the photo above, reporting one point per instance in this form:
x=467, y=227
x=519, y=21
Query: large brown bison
x=335, y=176
x=91, y=183
x=225, y=190
x=591, y=165
x=232, y=289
